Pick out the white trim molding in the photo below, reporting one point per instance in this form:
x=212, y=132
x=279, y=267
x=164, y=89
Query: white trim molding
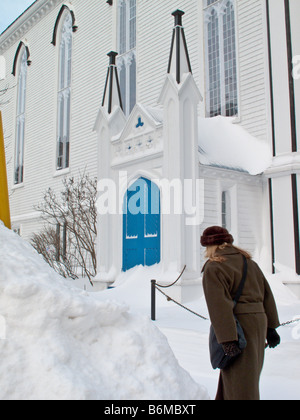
x=283, y=165
x=25, y=22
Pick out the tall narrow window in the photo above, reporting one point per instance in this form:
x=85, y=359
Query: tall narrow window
x=226, y=210
x=127, y=53
x=61, y=242
x=64, y=93
x=20, y=126
x=221, y=63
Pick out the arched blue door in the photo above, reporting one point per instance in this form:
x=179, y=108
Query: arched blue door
x=141, y=225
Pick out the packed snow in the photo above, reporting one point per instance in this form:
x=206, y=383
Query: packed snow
x=225, y=144
x=188, y=334
x=59, y=342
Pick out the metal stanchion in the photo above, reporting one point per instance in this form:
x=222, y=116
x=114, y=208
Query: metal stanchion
x=153, y=300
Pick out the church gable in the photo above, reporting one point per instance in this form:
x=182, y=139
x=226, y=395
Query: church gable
x=142, y=136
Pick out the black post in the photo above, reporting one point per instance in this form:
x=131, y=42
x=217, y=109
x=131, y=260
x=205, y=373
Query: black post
x=153, y=300
x=178, y=27
x=112, y=55
x=178, y=17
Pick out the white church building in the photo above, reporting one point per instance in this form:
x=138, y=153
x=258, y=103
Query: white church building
x=186, y=112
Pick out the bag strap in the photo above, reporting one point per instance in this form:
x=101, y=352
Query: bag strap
x=242, y=284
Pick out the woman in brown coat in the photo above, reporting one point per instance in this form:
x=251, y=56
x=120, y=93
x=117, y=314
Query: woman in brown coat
x=256, y=312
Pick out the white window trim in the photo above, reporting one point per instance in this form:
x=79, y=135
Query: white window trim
x=220, y=7
x=231, y=191
x=226, y=195
x=126, y=57
x=64, y=92
x=21, y=116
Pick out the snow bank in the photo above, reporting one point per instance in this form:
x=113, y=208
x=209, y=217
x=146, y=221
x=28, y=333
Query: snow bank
x=286, y=284
x=283, y=295
x=225, y=144
x=134, y=286
x=62, y=343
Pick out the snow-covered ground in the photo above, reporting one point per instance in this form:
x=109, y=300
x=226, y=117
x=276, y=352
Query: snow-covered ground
x=188, y=334
x=60, y=342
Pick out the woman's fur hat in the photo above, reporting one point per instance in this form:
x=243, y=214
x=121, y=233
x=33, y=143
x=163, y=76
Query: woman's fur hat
x=216, y=235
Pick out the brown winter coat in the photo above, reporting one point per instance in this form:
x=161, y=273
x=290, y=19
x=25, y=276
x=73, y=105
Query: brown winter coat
x=256, y=311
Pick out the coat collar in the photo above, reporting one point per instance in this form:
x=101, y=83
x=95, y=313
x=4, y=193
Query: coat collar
x=228, y=250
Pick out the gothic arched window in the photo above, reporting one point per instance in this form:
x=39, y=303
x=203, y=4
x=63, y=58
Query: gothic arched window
x=221, y=61
x=64, y=91
x=127, y=52
x=21, y=73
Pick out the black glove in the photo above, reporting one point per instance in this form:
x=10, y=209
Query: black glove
x=231, y=349
x=273, y=338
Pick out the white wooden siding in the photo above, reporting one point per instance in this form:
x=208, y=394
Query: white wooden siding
x=154, y=34
x=252, y=63
x=96, y=36
x=248, y=217
x=92, y=42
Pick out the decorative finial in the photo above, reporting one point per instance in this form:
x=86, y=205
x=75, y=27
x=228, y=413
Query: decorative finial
x=112, y=55
x=179, y=62
x=178, y=17
x=112, y=92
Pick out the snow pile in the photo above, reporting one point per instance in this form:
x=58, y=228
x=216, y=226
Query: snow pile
x=225, y=144
x=188, y=334
x=286, y=277
x=133, y=286
x=62, y=343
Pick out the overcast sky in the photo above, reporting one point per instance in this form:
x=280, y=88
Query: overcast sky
x=10, y=10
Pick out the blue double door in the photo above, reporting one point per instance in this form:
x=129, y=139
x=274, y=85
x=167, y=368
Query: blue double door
x=141, y=225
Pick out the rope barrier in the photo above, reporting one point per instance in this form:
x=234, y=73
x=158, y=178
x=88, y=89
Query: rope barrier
x=176, y=281
x=156, y=286
x=182, y=306
x=206, y=319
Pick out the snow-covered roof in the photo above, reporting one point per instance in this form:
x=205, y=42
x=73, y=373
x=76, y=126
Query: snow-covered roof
x=225, y=144
x=156, y=113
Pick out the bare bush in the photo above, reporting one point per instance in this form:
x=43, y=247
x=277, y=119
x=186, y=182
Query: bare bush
x=68, y=242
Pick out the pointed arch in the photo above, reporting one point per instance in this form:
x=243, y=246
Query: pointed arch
x=126, y=63
x=221, y=58
x=65, y=53
x=60, y=14
x=19, y=49
x=21, y=74
x=141, y=224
